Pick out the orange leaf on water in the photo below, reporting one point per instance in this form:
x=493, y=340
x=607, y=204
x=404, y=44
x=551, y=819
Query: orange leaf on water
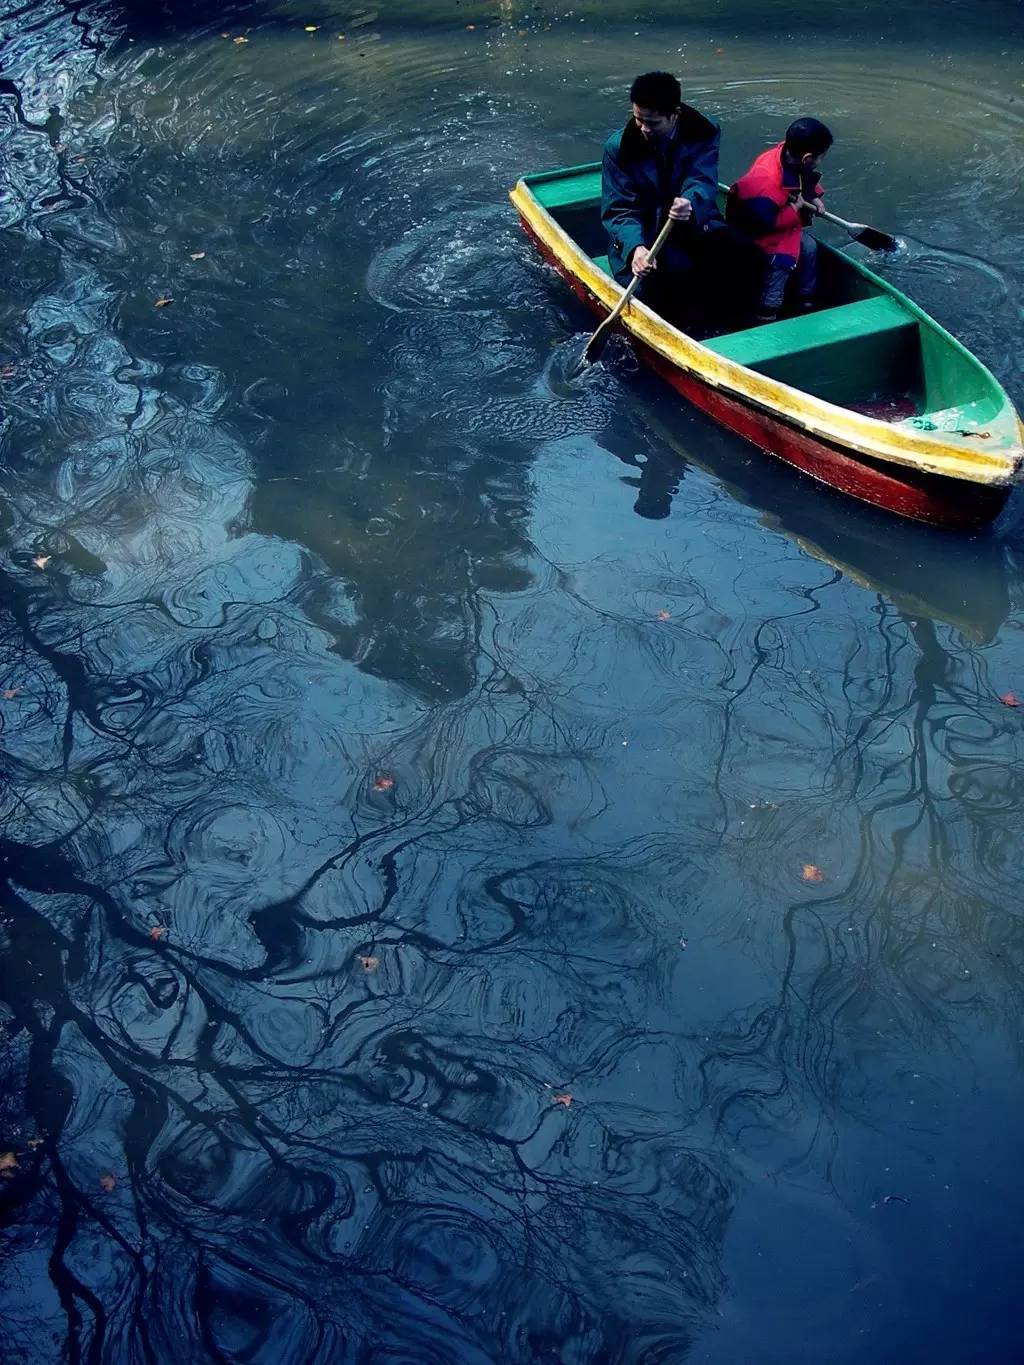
x=383, y=784
x=107, y=1182
x=10, y=693
x=163, y=301
x=369, y=964
x=158, y=931
x=196, y=255
x=812, y=873
x=240, y=40
x=41, y=561
x=565, y=1099
x=1009, y=699
x=664, y=616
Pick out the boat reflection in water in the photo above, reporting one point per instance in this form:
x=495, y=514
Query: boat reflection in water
x=961, y=579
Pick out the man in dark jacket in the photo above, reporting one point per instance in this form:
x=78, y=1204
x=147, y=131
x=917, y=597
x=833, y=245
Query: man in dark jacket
x=664, y=162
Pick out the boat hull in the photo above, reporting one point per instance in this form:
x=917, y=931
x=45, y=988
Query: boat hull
x=936, y=500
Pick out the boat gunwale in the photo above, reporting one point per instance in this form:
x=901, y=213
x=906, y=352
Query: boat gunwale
x=939, y=453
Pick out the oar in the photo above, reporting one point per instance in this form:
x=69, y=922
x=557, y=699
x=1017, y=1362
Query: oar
x=596, y=344
x=860, y=232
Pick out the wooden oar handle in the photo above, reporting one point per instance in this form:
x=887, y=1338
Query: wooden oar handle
x=659, y=242
x=840, y=222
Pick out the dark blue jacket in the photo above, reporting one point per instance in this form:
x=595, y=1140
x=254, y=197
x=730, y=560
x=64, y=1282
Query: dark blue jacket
x=637, y=187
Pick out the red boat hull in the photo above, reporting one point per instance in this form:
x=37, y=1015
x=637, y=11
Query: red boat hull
x=931, y=498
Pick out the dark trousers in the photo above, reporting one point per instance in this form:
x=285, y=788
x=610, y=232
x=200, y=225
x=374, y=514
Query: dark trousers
x=779, y=273
x=707, y=288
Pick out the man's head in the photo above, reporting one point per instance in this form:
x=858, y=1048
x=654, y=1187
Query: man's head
x=806, y=143
x=655, y=98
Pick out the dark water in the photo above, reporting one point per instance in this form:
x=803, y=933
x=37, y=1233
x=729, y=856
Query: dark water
x=373, y=774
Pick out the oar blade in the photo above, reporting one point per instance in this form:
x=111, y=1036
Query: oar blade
x=594, y=348
x=875, y=240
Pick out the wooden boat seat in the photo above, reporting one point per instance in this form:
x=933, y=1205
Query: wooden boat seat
x=845, y=323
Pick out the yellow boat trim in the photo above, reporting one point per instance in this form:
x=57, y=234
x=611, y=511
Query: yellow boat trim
x=992, y=459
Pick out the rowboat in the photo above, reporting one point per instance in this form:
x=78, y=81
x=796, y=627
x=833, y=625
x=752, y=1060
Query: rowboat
x=867, y=393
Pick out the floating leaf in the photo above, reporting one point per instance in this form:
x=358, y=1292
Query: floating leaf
x=9, y=693
x=240, y=39
x=41, y=561
x=8, y=371
x=196, y=255
x=108, y=1182
x=163, y=301
x=564, y=1099
x=1009, y=699
x=664, y=616
x=158, y=931
x=383, y=784
x=369, y=964
x=812, y=873
x=8, y=1164
x=470, y=28
x=312, y=28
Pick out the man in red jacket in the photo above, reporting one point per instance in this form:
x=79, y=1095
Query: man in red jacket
x=772, y=205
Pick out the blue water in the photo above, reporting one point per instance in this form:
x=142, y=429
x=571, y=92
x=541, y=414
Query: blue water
x=494, y=869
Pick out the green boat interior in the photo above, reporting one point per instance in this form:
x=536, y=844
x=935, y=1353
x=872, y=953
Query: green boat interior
x=865, y=347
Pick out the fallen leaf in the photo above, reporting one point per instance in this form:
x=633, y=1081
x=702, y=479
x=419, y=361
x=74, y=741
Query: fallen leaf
x=8, y=371
x=664, y=616
x=383, y=784
x=719, y=51
x=1009, y=699
x=312, y=28
x=240, y=39
x=8, y=1163
x=470, y=28
x=158, y=931
x=163, y=301
x=41, y=561
x=564, y=1099
x=107, y=1182
x=10, y=693
x=196, y=255
x=812, y=873
x=369, y=964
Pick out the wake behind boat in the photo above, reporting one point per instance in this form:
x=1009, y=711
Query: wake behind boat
x=867, y=393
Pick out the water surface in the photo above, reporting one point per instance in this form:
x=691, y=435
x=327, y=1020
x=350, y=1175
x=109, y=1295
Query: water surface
x=495, y=870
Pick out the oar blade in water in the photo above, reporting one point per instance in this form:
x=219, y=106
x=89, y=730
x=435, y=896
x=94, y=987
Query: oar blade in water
x=594, y=348
x=875, y=240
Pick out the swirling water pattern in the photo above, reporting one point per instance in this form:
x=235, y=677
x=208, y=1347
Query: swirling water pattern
x=412, y=947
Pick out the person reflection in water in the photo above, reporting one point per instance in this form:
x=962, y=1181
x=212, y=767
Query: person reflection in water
x=657, y=484
x=663, y=162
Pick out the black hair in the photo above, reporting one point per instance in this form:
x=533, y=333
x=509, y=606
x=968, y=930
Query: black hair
x=807, y=135
x=657, y=90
